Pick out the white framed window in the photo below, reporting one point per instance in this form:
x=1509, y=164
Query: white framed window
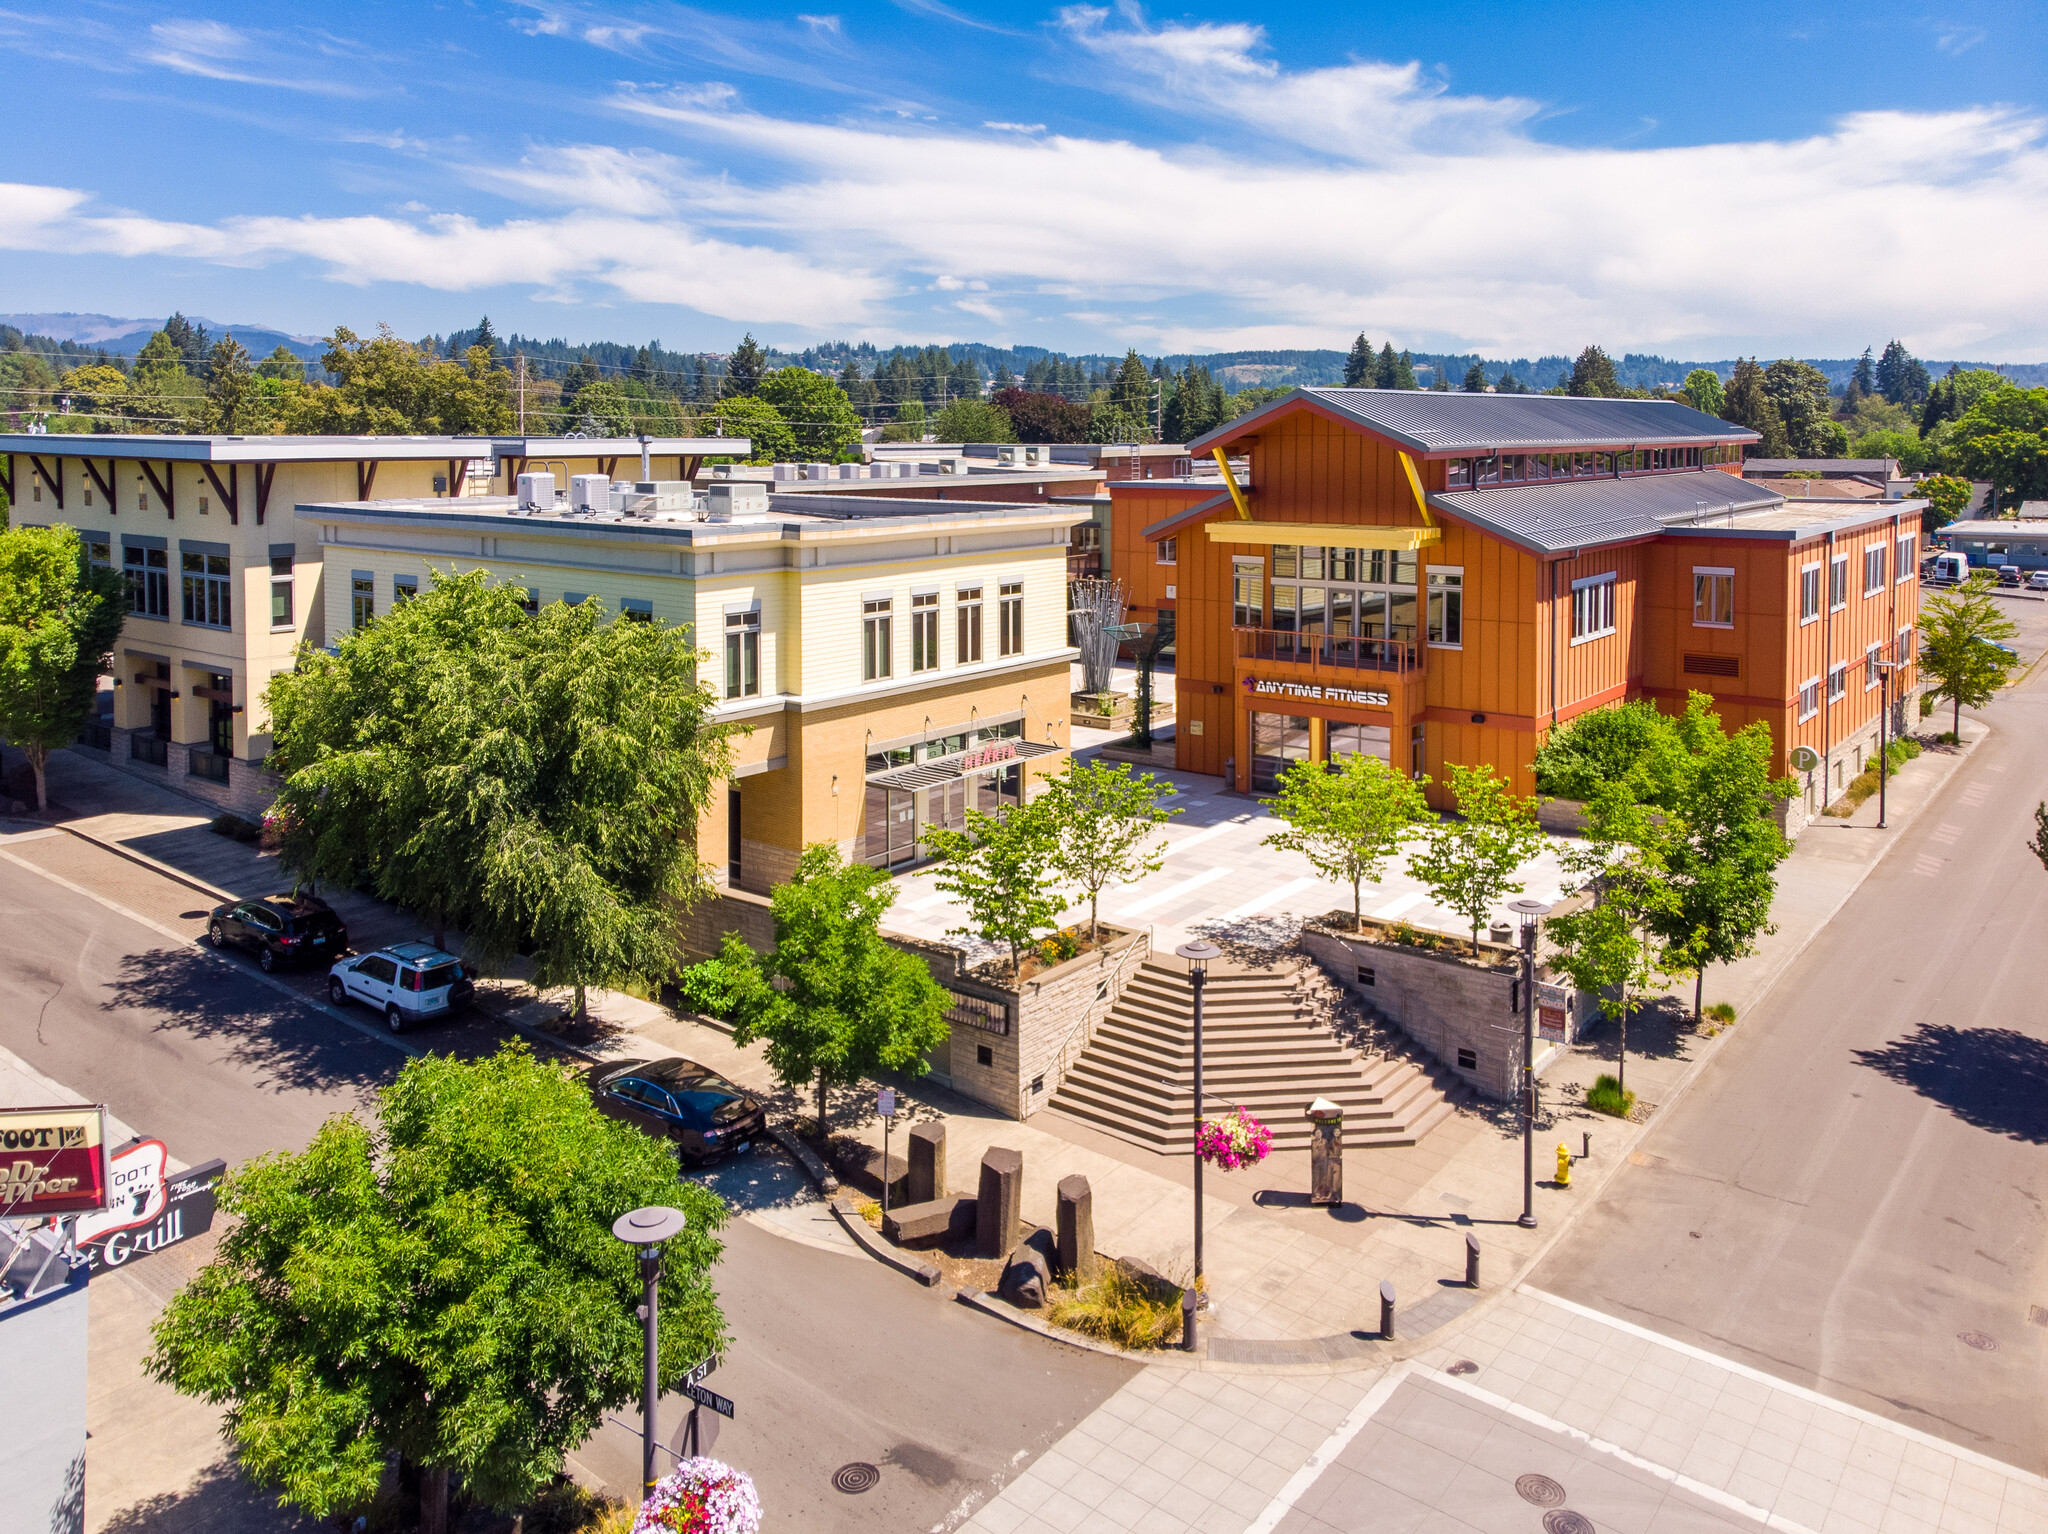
x=1902, y=650
x=1248, y=593
x=1809, y=593
x=1838, y=681
x=968, y=626
x=1871, y=675
x=743, y=653
x=1906, y=560
x=924, y=631
x=1444, y=617
x=1010, y=618
x=1713, y=597
x=1593, y=607
x=1167, y=551
x=1838, y=583
x=1809, y=698
x=1873, y=569
x=404, y=588
x=636, y=609
x=877, y=638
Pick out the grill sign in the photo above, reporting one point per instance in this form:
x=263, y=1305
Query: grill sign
x=183, y=1209
x=52, y=1161
x=1362, y=697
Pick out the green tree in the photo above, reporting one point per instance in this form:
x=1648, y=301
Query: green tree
x=1957, y=394
x=537, y=782
x=756, y=419
x=1404, y=372
x=229, y=388
x=1386, y=368
x=1703, y=390
x=2004, y=438
x=1110, y=422
x=1947, y=497
x=1905, y=447
x=1960, y=634
x=1800, y=392
x=281, y=364
x=834, y=999
x=601, y=409
x=1863, y=383
x=1102, y=822
x=389, y=387
x=745, y=367
x=1195, y=405
x=1004, y=868
x=1747, y=403
x=1469, y=863
x=908, y=425
x=1347, y=818
x=1633, y=743
x=822, y=421
x=1475, y=378
x=162, y=395
x=974, y=420
x=441, y=1285
x=1593, y=374
x=1131, y=391
x=189, y=340
x=98, y=391
x=1901, y=377
x=1610, y=947
x=1359, y=368
x=59, y=618
x=1723, y=849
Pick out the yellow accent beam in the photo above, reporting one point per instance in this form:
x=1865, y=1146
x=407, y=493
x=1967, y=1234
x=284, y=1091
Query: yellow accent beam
x=1237, y=495
x=1344, y=535
x=1415, y=484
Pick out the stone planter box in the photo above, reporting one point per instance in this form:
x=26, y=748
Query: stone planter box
x=1083, y=711
x=1464, y=1011
x=1562, y=817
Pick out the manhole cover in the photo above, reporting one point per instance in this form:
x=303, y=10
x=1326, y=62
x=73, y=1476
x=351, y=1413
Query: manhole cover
x=1463, y=1366
x=1983, y=1342
x=1539, y=1489
x=1563, y=1520
x=856, y=1477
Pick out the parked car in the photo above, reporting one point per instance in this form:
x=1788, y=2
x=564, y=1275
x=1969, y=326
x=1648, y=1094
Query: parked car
x=407, y=982
x=2008, y=575
x=281, y=929
x=1946, y=569
x=2006, y=650
x=2038, y=581
x=697, y=1110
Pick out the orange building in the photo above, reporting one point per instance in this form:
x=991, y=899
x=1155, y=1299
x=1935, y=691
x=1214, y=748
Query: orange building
x=1443, y=578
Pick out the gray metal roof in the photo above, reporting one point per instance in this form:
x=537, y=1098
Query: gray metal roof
x=1574, y=514
x=1431, y=421
x=296, y=449
x=1831, y=466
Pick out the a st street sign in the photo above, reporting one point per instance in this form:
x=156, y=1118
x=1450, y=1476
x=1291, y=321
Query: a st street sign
x=710, y=1398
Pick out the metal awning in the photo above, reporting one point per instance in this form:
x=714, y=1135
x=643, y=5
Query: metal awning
x=950, y=769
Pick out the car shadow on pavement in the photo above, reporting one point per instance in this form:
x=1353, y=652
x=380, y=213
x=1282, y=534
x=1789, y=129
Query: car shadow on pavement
x=1994, y=1078
x=184, y=992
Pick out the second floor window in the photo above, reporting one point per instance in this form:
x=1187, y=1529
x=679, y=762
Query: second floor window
x=1713, y=598
x=1011, y=615
x=1248, y=593
x=876, y=638
x=1905, y=564
x=1873, y=569
x=1169, y=551
x=1809, y=699
x=1838, y=582
x=743, y=654
x=280, y=591
x=209, y=598
x=1809, y=593
x=969, y=626
x=1838, y=681
x=1446, y=612
x=362, y=599
x=149, y=581
x=1592, y=607
x=924, y=631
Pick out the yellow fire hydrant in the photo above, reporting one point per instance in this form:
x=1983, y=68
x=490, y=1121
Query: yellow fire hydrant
x=1564, y=1167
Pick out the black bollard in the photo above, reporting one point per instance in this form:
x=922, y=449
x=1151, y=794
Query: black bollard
x=1387, y=1309
x=1187, y=1319
x=1471, y=1261
x=1586, y=1146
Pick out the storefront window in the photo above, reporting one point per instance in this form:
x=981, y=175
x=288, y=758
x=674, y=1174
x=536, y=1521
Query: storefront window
x=1278, y=742
x=1361, y=740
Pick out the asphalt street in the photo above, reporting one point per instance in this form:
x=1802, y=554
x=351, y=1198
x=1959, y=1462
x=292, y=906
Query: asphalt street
x=836, y=1359
x=1850, y=1195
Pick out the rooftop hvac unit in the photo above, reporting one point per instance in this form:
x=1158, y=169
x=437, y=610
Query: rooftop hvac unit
x=1008, y=456
x=817, y=470
x=905, y=470
x=1034, y=453
x=849, y=471
x=590, y=492
x=737, y=502
x=785, y=471
x=643, y=498
x=952, y=465
x=536, y=492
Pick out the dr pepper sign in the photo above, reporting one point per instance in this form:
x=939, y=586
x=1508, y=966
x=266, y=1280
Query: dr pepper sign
x=52, y=1161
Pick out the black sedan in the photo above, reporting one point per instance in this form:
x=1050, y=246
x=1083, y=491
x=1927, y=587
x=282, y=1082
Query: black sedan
x=281, y=929
x=702, y=1114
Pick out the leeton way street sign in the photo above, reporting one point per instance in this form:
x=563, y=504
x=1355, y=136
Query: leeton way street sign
x=710, y=1398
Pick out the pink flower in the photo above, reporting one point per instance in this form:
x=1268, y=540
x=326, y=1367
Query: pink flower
x=1232, y=1140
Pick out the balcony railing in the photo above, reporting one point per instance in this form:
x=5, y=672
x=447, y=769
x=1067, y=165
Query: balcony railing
x=99, y=735
x=1334, y=652
x=147, y=748
x=201, y=763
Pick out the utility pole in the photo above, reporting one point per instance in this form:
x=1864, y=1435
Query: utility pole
x=521, y=359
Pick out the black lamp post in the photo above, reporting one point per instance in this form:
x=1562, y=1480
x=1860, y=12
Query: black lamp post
x=1198, y=954
x=647, y=1229
x=1530, y=911
x=1885, y=668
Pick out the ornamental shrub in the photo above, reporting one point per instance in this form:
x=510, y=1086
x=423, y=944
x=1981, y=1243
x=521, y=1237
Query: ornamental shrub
x=701, y=1496
x=1232, y=1140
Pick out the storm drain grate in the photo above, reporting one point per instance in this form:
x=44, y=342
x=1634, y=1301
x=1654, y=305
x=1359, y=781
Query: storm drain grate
x=1564, y=1521
x=1983, y=1342
x=856, y=1478
x=1539, y=1489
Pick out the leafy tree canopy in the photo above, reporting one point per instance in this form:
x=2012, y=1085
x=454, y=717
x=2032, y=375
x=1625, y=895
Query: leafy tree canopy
x=1359, y=367
x=744, y=416
x=745, y=367
x=823, y=424
x=1102, y=825
x=1799, y=390
x=1469, y=863
x=392, y=387
x=1039, y=417
x=1347, y=818
x=1593, y=374
x=974, y=420
x=1702, y=390
x=59, y=618
x=1960, y=631
x=1004, y=868
x=2004, y=438
x=1901, y=377
x=1947, y=497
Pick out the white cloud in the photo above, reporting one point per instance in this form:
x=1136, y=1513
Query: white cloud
x=1956, y=40
x=1016, y=127
x=637, y=182
x=213, y=50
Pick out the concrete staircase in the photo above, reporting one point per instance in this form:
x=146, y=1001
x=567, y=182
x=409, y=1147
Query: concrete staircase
x=1267, y=1046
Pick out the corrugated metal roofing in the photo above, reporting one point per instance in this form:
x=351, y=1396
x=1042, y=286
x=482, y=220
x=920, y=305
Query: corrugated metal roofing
x=1573, y=514
x=1878, y=466
x=1430, y=421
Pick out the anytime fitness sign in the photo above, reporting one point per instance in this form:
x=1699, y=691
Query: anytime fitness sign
x=52, y=1161
x=1357, y=697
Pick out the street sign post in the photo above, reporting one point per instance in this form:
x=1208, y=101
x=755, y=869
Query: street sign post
x=711, y=1398
x=885, y=1104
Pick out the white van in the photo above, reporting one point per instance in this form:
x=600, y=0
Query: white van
x=1948, y=569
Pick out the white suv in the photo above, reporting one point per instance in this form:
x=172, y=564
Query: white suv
x=407, y=983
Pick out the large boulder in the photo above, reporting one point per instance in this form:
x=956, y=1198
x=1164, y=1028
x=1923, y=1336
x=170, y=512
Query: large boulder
x=1027, y=1276
x=932, y=1223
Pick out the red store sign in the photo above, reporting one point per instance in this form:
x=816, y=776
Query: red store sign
x=52, y=1161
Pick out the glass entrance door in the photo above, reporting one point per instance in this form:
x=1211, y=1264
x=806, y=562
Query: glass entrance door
x=1278, y=742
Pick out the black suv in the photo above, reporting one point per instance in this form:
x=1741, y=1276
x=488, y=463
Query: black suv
x=282, y=929
x=701, y=1113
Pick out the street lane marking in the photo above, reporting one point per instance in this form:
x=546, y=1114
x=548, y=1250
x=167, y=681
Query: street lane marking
x=1945, y=833
x=1327, y=1452
x=1928, y=866
x=1973, y=796
x=1394, y=908
x=1206, y=876
x=1261, y=902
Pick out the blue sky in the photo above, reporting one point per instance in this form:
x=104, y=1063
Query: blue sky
x=1697, y=180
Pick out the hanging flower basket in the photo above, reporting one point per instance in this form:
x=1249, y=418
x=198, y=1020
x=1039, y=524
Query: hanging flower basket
x=1232, y=1140
x=701, y=1496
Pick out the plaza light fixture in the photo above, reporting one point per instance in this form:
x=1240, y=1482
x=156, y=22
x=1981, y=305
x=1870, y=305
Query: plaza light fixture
x=1530, y=911
x=1198, y=954
x=647, y=1228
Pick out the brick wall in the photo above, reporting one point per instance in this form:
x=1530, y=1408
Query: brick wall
x=248, y=792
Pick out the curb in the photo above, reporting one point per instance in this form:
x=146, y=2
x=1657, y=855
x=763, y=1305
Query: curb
x=875, y=1247
x=143, y=860
x=808, y=1159
x=988, y=1305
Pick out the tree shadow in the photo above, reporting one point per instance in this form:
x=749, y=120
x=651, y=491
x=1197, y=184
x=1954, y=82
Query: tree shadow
x=1252, y=942
x=182, y=991
x=1658, y=1029
x=219, y=1501
x=1994, y=1078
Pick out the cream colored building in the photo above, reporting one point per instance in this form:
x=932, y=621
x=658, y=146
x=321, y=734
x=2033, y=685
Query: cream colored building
x=896, y=662
x=224, y=582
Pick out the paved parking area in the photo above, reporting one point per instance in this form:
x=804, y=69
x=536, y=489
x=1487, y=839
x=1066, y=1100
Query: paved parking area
x=1220, y=880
